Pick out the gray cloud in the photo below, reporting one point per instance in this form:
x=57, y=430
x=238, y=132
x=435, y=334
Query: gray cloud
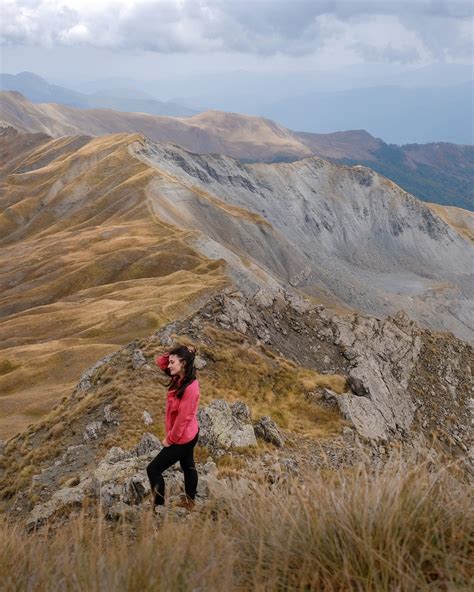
x=259, y=27
x=388, y=53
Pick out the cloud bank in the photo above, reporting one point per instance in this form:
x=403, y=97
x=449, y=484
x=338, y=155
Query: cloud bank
x=384, y=30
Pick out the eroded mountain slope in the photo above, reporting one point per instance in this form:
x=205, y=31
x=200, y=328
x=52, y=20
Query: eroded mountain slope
x=352, y=234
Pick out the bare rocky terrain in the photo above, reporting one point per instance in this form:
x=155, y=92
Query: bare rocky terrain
x=343, y=234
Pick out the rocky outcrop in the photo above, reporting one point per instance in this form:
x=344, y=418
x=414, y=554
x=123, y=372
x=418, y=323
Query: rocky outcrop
x=119, y=485
x=61, y=500
x=384, y=353
x=221, y=427
x=119, y=478
x=391, y=364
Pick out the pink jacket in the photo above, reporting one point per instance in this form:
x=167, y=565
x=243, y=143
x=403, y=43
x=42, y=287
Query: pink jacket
x=181, y=414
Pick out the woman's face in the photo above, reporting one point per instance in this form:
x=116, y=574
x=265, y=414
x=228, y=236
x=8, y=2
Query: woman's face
x=175, y=365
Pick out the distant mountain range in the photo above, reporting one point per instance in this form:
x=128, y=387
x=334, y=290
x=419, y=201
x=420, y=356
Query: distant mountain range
x=441, y=173
x=38, y=90
x=400, y=115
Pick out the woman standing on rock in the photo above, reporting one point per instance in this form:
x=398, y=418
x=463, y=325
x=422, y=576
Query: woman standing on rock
x=182, y=428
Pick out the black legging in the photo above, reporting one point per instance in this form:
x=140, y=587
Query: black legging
x=167, y=456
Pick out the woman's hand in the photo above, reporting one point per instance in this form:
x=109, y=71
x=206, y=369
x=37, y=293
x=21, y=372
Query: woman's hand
x=191, y=349
x=166, y=443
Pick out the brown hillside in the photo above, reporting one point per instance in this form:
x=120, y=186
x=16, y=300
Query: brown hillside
x=240, y=136
x=86, y=265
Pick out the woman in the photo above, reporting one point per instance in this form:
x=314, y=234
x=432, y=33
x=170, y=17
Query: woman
x=182, y=428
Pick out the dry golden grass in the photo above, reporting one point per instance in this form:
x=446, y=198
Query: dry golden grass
x=270, y=385
x=90, y=267
x=459, y=219
x=405, y=528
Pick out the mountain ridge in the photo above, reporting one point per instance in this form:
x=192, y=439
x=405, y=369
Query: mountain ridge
x=438, y=173
x=38, y=90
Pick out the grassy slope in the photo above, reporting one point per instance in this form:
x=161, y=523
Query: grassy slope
x=85, y=267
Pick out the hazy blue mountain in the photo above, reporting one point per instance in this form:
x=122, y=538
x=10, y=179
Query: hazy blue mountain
x=420, y=105
x=38, y=90
x=399, y=115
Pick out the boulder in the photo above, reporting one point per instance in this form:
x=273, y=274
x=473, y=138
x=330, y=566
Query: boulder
x=92, y=431
x=199, y=362
x=241, y=412
x=263, y=299
x=63, y=498
x=148, y=444
x=368, y=420
x=220, y=429
x=384, y=353
x=266, y=429
x=110, y=416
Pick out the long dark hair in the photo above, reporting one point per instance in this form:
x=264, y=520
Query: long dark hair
x=186, y=354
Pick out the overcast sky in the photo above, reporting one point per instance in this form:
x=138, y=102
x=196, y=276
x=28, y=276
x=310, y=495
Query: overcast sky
x=87, y=39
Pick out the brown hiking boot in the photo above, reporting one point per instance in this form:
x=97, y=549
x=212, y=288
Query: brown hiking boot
x=185, y=502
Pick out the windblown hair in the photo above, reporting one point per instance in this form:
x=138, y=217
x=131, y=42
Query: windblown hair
x=187, y=356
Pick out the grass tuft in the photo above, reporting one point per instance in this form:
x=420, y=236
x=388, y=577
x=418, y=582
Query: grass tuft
x=404, y=528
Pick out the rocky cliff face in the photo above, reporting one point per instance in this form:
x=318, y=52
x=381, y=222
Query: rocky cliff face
x=344, y=234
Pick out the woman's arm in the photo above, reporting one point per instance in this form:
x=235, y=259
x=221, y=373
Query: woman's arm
x=162, y=362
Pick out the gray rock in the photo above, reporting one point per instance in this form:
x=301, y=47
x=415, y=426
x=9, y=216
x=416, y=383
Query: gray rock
x=63, y=498
x=149, y=443
x=136, y=488
x=386, y=352
x=110, y=416
x=116, y=454
x=165, y=335
x=124, y=480
x=138, y=359
x=85, y=381
x=290, y=465
x=92, y=431
x=241, y=412
x=236, y=313
x=219, y=429
x=210, y=468
x=329, y=398
x=147, y=418
x=358, y=387
x=365, y=415
x=263, y=298
x=199, y=362
x=266, y=429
